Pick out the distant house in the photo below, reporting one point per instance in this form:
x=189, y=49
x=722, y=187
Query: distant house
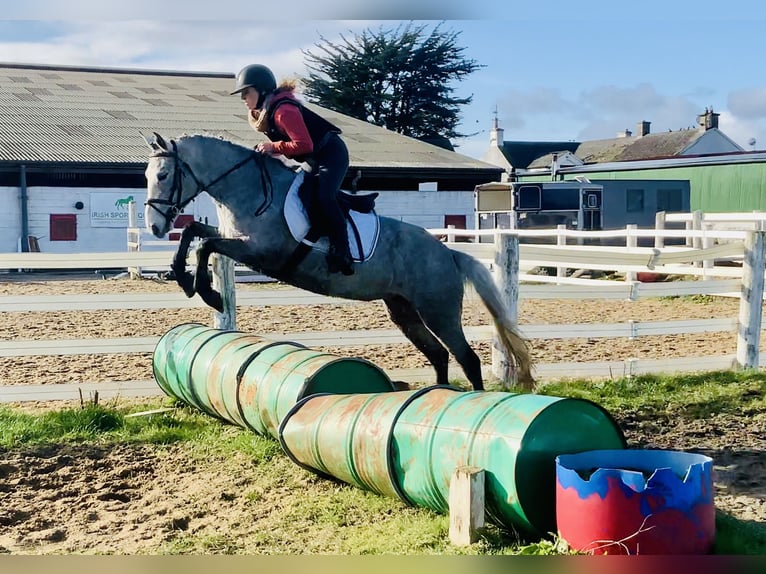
x=722, y=176
x=522, y=157
x=71, y=153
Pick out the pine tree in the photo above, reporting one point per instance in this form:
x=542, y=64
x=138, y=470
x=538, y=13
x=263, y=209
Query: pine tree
x=400, y=79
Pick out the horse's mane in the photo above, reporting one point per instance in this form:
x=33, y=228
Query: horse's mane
x=206, y=137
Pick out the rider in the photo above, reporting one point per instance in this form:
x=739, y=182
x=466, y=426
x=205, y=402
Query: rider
x=298, y=133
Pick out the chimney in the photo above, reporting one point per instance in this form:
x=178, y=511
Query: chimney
x=496, y=134
x=554, y=166
x=642, y=128
x=624, y=134
x=708, y=120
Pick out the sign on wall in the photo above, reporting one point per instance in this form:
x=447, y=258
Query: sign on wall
x=110, y=209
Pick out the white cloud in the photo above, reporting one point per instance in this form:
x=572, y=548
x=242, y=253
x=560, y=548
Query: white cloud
x=178, y=45
x=742, y=130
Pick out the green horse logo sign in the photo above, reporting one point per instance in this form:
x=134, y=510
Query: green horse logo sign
x=111, y=208
x=123, y=202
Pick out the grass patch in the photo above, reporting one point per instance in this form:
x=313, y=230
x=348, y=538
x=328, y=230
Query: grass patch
x=98, y=423
x=287, y=510
x=691, y=396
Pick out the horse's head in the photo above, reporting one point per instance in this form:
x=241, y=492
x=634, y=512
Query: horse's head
x=170, y=185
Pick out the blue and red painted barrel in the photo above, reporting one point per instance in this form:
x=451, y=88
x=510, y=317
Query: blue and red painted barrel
x=635, y=502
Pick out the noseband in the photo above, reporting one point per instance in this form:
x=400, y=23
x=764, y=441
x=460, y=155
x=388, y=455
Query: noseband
x=175, y=203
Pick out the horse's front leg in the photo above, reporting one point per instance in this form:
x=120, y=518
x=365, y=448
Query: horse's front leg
x=193, y=230
x=235, y=249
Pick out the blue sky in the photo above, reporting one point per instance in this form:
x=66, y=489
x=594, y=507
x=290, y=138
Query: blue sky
x=553, y=70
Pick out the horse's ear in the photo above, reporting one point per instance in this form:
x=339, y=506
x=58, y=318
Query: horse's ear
x=152, y=145
x=160, y=141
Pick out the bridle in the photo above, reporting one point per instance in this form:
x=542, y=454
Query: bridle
x=175, y=203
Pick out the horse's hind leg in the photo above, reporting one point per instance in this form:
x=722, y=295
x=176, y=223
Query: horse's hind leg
x=404, y=315
x=443, y=318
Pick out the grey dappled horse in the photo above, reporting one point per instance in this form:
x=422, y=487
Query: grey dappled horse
x=419, y=278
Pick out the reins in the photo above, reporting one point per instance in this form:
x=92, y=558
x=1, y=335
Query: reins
x=182, y=167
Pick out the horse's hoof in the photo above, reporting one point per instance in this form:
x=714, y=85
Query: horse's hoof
x=215, y=301
x=401, y=386
x=185, y=280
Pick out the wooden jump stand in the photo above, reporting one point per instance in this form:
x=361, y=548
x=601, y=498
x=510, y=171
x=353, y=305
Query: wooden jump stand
x=466, y=505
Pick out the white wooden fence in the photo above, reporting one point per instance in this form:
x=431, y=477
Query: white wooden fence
x=746, y=281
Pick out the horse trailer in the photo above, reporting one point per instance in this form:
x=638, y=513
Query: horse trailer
x=582, y=204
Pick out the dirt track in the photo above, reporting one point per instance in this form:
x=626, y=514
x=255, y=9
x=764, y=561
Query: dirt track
x=114, y=500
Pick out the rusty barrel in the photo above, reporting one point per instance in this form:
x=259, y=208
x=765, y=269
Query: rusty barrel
x=249, y=381
x=408, y=444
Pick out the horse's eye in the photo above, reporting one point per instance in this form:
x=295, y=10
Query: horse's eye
x=161, y=176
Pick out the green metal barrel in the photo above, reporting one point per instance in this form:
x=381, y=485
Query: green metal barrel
x=251, y=382
x=347, y=437
x=173, y=358
x=215, y=380
x=408, y=444
x=275, y=380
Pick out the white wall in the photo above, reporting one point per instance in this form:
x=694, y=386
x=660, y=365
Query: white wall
x=92, y=236
x=424, y=208
x=10, y=218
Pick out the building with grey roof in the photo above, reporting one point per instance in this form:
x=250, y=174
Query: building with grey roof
x=519, y=156
x=89, y=120
x=722, y=176
x=71, y=149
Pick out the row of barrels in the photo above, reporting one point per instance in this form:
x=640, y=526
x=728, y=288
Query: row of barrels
x=342, y=417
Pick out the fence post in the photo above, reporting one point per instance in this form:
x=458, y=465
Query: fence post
x=707, y=264
x=506, y=270
x=561, y=239
x=750, y=302
x=223, y=282
x=659, y=225
x=134, y=238
x=631, y=240
x=697, y=223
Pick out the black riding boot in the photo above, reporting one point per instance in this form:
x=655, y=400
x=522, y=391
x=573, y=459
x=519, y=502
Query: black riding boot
x=339, y=258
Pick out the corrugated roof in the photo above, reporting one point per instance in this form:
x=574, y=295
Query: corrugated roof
x=650, y=146
x=73, y=114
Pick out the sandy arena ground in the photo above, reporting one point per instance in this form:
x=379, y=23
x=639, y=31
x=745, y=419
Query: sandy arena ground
x=111, y=500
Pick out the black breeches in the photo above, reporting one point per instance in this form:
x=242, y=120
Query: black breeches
x=332, y=164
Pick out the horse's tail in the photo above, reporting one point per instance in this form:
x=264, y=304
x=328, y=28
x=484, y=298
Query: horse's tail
x=515, y=345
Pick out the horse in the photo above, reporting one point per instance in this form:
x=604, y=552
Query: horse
x=419, y=278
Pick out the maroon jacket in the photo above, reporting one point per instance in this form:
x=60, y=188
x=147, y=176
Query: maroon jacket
x=297, y=132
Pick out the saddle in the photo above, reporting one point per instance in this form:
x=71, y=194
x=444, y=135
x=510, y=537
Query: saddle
x=310, y=230
x=363, y=203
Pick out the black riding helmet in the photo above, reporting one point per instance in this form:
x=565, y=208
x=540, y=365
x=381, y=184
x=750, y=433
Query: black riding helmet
x=258, y=77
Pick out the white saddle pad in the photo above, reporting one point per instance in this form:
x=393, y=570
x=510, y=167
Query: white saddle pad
x=367, y=225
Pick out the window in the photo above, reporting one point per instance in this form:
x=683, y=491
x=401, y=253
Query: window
x=559, y=199
x=635, y=201
x=183, y=220
x=669, y=200
x=63, y=227
x=459, y=222
x=528, y=198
